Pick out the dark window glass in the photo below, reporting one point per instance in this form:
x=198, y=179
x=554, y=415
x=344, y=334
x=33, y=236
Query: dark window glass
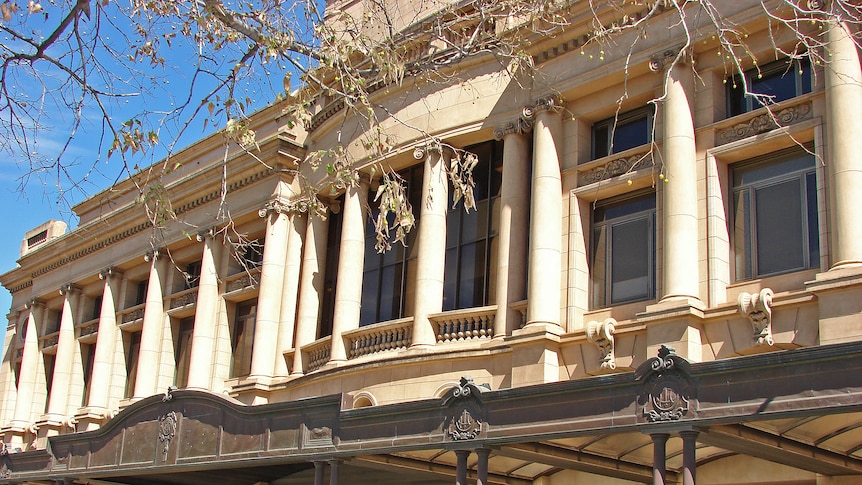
x=330, y=273
x=97, y=307
x=134, y=350
x=88, y=356
x=193, y=275
x=619, y=133
x=243, y=338
x=141, y=292
x=775, y=224
x=387, y=278
x=182, y=352
x=623, y=251
x=469, y=275
x=49, y=376
x=780, y=80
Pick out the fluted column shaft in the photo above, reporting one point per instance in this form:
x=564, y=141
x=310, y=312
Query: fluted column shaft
x=103, y=361
x=290, y=290
x=27, y=379
x=310, y=288
x=513, y=235
x=543, y=306
x=351, y=263
x=269, y=298
x=58, y=401
x=679, y=208
x=151, y=330
x=203, y=335
x=431, y=260
x=843, y=104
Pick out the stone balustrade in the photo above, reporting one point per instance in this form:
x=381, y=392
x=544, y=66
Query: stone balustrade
x=317, y=354
x=381, y=337
x=462, y=325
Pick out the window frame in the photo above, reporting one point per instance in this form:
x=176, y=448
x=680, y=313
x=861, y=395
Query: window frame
x=648, y=214
x=613, y=123
x=810, y=230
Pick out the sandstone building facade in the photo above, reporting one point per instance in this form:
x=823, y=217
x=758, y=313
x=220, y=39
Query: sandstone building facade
x=663, y=292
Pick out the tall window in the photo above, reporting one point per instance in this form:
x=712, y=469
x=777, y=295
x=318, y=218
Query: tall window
x=387, y=291
x=471, y=244
x=132, y=353
x=141, y=292
x=783, y=79
x=623, y=250
x=243, y=338
x=330, y=273
x=193, y=275
x=49, y=360
x=619, y=133
x=182, y=351
x=775, y=225
x=88, y=356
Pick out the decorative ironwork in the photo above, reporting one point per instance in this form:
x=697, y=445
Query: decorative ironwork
x=167, y=431
x=668, y=389
x=765, y=122
x=758, y=308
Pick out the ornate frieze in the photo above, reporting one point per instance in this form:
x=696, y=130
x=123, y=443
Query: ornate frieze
x=616, y=167
x=465, y=418
x=601, y=334
x=667, y=389
x=758, y=308
x=133, y=315
x=765, y=122
x=185, y=299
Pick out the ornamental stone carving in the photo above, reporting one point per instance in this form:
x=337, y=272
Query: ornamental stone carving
x=765, y=122
x=167, y=431
x=615, y=168
x=664, y=59
x=668, y=390
x=601, y=334
x=465, y=417
x=758, y=308
x=520, y=126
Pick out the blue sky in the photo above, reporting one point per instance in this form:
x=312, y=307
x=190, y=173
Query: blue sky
x=31, y=198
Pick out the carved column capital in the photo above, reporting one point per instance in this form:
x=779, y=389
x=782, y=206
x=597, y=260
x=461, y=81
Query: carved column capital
x=152, y=255
x=108, y=272
x=601, y=334
x=666, y=59
x=758, y=308
x=520, y=126
x=205, y=233
x=548, y=103
x=69, y=289
x=276, y=205
x=34, y=303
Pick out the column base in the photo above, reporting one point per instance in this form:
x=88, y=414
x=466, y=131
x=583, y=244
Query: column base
x=676, y=322
x=839, y=302
x=535, y=354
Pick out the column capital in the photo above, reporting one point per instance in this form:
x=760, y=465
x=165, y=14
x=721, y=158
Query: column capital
x=152, y=255
x=667, y=58
x=34, y=303
x=205, y=233
x=69, y=289
x=108, y=272
x=552, y=103
x=519, y=126
x=276, y=205
x=433, y=145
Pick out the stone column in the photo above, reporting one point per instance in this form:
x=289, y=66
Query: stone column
x=30, y=363
x=58, y=401
x=151, y=329
x=843, y=131
x=482, y=465
x=351, y=262
x=269, y=298
x=103, y=361
x=8, y=392
x=545, y=268
x=290, y=291
x=689, y=457
x=310, y=287
x=333, y=471
x=679, y=194
x=659, y=465
x=204, y=333
x=461, y=467
x=431, y=241
x=318, y=472
x=514, y=220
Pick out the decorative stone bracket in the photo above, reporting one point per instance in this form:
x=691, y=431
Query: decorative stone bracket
x=601, y=334
x=758, y=308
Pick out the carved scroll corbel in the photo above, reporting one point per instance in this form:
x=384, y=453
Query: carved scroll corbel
x=758, y=308
x=601, y=334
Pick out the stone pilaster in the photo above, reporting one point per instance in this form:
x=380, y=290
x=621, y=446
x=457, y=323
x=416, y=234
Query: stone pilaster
x=269, y=298
x=544, y=270
x=203, y=336
x=290, y=290
x=58, y=402
x=351, y=262
x=103, y=363
x=151, y=331
x=514, y=220
x=310, y=288
x=843, y=78
x=431, y=242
